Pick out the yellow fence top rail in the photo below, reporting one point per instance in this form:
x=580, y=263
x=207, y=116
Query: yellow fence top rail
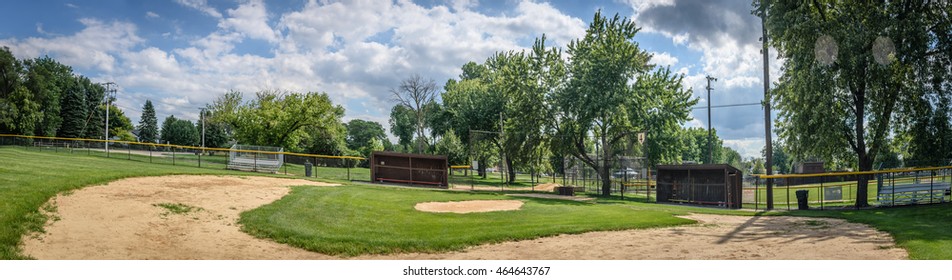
x=183, y=147
x=460, y=167
x=778, y=176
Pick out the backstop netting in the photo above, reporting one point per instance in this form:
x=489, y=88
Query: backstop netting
x=255, y=158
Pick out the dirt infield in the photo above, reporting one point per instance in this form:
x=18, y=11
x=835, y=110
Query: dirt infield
x=195, y=217
x=124, y=220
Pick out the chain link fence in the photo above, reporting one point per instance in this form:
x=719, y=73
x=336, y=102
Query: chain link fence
x=244, y=158
x=885, y=188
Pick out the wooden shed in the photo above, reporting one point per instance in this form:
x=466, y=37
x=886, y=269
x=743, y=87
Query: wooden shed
x=411, y=169
x=705, y=184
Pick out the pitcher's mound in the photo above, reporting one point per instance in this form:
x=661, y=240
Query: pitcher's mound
x=469, y=206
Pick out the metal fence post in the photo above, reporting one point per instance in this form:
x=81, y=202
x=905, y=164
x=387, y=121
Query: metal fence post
x=787, y=181
x=255, y=168
x=892, y=182
x=821, y=193
x=173, y=155
x=931, y=190
x=200, y=159
x=757, y=193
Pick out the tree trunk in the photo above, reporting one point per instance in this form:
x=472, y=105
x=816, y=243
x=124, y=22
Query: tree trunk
x=604, y=169
x=865, y=163
x=862, y=185
x=482, y=168
x=511, y=170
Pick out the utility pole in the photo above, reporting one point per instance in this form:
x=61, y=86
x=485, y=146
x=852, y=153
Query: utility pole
x=110, y=93
x=768, y=148
x=710, y=133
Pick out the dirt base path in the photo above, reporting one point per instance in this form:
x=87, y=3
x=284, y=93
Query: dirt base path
x=716, y=237
x=121, y=220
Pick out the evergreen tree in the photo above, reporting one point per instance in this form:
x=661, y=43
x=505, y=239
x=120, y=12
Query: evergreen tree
x=148, y=124
x=94, y=124
x=72, y=110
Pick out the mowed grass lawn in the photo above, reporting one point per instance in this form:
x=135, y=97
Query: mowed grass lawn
x=359, y=219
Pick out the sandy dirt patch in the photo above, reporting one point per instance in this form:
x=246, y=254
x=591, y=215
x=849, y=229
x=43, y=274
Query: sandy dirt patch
x=120, y=220
x=715, y=237
x=469, y=206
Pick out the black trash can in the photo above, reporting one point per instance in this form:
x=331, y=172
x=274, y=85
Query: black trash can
x=802, y=202
x=307, y=168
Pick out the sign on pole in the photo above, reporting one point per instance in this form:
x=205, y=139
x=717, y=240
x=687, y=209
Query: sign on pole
x=641, y=138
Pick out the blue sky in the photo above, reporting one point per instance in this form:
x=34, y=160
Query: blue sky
x=182, y=54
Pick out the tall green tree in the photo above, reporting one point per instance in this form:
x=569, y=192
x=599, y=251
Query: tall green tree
x=416, y=93
x=47, y=79
x=179, y=132
x=361, y=133
x=119, y=123
x=525, y=80
x=612, y=92
x=450, y=146
x=402, y=125
x=474, y=107
x=94, y=123
x=148, y=124
x=698, y=148
x=19, y=112
x=782, y=161
x=72, y=109
x=275, y=118
x=859, y=61
x=733, y=158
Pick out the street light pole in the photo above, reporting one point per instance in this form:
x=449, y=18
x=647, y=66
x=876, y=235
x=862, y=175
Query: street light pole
x=710, y=134
x=109, y=89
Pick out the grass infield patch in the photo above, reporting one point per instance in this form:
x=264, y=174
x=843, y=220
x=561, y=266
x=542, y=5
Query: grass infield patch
x=358, y=219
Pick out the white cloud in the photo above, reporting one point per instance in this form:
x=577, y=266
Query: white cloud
x=746, y=147
x=91, y=47
x=250, y=19
x=151, y=14
x=201, y=5
x=663, y=59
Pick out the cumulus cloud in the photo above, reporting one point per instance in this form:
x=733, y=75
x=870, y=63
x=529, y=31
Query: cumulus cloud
x=92, y=47
x=250, y=19
x=663, y=59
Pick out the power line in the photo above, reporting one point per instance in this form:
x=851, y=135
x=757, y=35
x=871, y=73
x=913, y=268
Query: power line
x=728, y=105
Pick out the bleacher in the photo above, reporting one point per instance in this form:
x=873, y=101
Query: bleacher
x=914, y=193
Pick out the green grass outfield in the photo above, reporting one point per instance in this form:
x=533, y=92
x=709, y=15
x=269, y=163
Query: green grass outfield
x=359, y=219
